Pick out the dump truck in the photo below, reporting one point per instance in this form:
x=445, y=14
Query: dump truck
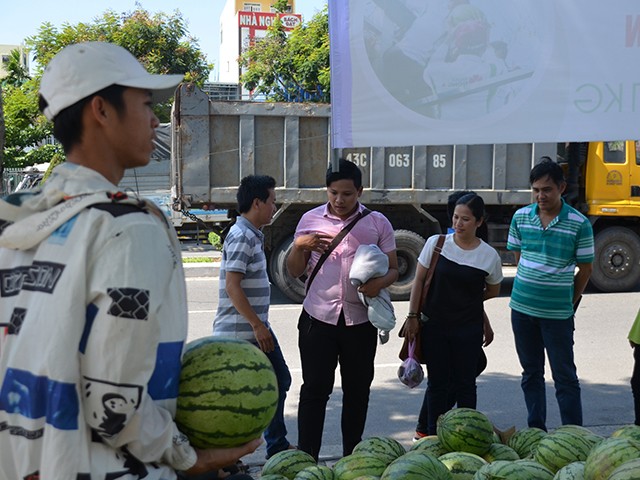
x=216, y=143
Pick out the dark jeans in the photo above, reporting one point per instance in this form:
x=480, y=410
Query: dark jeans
x=275, y=435
x=322, y=347
x=635, y=384
x=451, y=354
x=533, y=336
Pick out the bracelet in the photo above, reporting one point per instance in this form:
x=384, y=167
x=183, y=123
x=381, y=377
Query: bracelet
x=412, y=315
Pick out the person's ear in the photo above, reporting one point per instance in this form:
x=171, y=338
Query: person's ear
x=98, y=108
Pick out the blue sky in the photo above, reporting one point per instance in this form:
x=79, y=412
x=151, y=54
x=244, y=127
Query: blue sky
x=21, y=18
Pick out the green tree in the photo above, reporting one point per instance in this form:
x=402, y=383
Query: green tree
x=160, y=41
x=291, y=68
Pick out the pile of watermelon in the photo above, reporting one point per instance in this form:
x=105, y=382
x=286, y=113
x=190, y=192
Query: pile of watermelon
x=467, y=447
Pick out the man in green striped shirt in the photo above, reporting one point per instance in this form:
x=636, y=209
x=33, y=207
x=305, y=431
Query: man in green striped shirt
x=550, y=241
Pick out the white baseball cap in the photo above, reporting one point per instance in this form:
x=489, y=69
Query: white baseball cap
x=82, y=69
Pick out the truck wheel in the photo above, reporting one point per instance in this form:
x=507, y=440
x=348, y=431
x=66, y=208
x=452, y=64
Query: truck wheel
x=408, y=248
x=292, y=287
x=616, y=267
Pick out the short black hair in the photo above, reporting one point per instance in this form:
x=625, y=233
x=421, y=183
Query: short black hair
x=547, y=167
x=347, y=171
x=67, y=125
x=252, y=187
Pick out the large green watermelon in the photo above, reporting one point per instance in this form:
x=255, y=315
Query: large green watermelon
x=288, y=463
x=516, y=470
x=465, y=430
x=462, y=465
x=561, y=448
x=524, y=441
x=429, y=444
x=500, y=451
x=228, y=392
x=416, y=465
x=384, y=448
x=627, y=471
x=572, y=471
x=609, y=455
x=628, y=431
x=314, y=472
x=358, y=464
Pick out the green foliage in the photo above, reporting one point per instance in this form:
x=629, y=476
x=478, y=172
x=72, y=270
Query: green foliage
x=214, y=240
x=160, y=41
x=292, y=68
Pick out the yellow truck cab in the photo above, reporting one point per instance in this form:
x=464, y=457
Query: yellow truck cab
x=611, y=200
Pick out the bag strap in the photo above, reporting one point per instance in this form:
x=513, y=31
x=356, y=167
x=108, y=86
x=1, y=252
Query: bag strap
x=432, y=266
x=334, y=243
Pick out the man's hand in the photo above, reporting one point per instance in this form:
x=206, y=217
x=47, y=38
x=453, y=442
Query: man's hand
x=372, y=288
x=313, y=242
x=264, y=337
x=411, y=327
x=215, y=458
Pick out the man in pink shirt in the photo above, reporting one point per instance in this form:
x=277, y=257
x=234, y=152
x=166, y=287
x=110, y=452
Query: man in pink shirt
x=333, y=327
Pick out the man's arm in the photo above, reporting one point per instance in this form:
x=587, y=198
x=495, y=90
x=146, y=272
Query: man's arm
x=301, y=251
x=374, y=285
x=244, y=308
x=581, y=279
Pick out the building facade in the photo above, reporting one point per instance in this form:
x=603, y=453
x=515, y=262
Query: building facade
x=5, y=54
x=241, y=23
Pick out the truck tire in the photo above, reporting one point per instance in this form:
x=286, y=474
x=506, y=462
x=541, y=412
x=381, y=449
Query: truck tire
x=616, y=267
x=292, y=288
x=408, y=247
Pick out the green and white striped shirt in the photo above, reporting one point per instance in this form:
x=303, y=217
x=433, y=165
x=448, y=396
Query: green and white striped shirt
x=544, y=282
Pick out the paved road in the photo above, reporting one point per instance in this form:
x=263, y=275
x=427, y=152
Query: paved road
x=603, y=356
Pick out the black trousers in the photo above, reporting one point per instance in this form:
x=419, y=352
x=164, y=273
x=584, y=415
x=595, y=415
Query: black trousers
x=635, y=384
x=322, y=346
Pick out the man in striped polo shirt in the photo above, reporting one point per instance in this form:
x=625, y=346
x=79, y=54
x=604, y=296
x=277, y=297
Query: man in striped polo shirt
x=550, y=240
x=245, y=292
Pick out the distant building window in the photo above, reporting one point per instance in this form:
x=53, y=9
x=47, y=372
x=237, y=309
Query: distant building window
x=251, y=7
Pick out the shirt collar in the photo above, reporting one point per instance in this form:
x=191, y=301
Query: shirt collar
x=562, y=215
x=327, y=212
x=243, y=221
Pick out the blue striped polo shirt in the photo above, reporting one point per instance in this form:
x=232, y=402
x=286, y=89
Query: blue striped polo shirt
x=544, y=282
x=243, y=252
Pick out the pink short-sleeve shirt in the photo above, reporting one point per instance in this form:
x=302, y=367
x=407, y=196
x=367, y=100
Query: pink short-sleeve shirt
x=331, y=290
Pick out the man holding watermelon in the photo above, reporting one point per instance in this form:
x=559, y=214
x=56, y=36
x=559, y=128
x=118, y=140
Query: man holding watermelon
x=551, y=240
x=93, y=311
x=245, y=291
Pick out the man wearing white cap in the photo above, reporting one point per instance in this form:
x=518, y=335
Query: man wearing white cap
x=93, y=313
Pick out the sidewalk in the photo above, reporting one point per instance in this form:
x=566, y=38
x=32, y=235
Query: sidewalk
x=204, y=268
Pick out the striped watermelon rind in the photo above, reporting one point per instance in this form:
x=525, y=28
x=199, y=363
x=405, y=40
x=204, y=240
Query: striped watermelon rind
x=273, y=476
x=416, y=465
x=357, y=465
x=500, y=451
x=429, y=444
x=228, y=393
x=627, y=471
x=516, y=470
x=465, y=430
x=462, y=465
x=383, y=447
x=524, y=441
x=572, y=471
x=315, y=472
x=628, y=431
x=288, y=463
x=561, y=448
x=609, y=455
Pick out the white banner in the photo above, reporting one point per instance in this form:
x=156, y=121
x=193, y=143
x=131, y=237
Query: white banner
x=439, y=72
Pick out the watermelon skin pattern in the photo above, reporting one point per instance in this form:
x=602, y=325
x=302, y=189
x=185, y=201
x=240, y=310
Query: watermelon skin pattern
x=228, y=392
x=358, y=464
x=500, y=451
x=525, y=440
x=384, y=448
x=516, y=470
x=627, y=471
x=462, y=465
x=561, y=448
x=288, y=463
x=314, y=472
x=416, y=465
x=609, y=455
x=573, y=471
x=465, y=430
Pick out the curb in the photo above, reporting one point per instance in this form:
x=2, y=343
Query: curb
x=196, y=270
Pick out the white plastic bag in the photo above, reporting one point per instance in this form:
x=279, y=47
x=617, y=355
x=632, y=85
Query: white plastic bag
x=410, y=371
